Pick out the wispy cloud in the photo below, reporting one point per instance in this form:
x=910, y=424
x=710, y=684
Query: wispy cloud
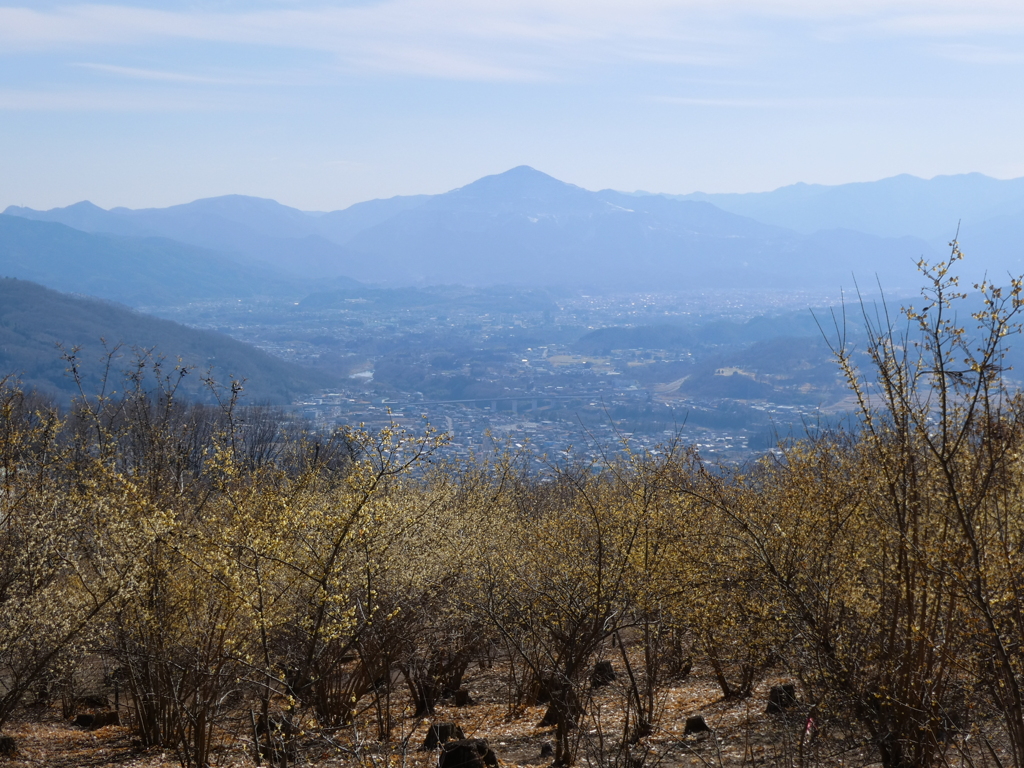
x=497, y=39
x=960, y=20
x=979, y=54
x=808, y=102
x=136, y=73
x=502, y=39
x=80, y=100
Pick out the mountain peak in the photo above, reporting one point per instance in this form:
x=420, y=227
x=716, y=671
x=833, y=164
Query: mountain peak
x=236, y=200
x=516, y=185
x=83, y=207
x=84, y=215
x=525, y=172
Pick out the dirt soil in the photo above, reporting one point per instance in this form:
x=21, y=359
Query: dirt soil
x=741, y=734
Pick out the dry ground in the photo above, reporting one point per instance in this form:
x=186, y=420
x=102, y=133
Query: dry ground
x=742, y=735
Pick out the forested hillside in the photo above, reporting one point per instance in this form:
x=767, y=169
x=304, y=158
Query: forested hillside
x=139, y=271
x=37, y=325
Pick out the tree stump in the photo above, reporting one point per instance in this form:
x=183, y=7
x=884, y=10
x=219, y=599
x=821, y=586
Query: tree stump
x=565, y=707
x=467, y=753
x=439, y=733
x=695, y=724
x=462, y=698
x=93, y=721
x=546, y=688
x=781, y=698
x=602, y=675
x=8, y=747
x=550, y=717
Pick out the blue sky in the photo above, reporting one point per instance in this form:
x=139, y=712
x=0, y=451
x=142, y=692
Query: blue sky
x=322, y=104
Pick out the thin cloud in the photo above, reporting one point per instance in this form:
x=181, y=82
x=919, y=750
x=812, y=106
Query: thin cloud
x=957, y=22
x=103, y=101
x=135, y=73
x=695, y=101
x=500, y=39
x=446, y=38
x=979, y=54
x=809, y=102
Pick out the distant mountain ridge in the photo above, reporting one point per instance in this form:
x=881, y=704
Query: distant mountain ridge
x=243, y=228
x=902, y=205
x=523, y=227
x=138, y=271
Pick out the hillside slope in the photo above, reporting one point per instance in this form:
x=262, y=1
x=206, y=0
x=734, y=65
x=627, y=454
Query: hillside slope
x=34, y=320
x=132, y=270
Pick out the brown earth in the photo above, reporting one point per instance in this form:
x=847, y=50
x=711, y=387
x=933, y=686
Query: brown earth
x=742, y=734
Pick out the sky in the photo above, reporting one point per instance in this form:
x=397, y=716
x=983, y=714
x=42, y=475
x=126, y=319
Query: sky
x=323, y=104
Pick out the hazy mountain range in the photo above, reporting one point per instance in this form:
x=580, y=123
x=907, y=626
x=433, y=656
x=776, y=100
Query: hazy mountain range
x=929, y=209
x=524, y=227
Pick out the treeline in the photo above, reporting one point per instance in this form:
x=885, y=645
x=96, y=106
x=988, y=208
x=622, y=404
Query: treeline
x=238, y=575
